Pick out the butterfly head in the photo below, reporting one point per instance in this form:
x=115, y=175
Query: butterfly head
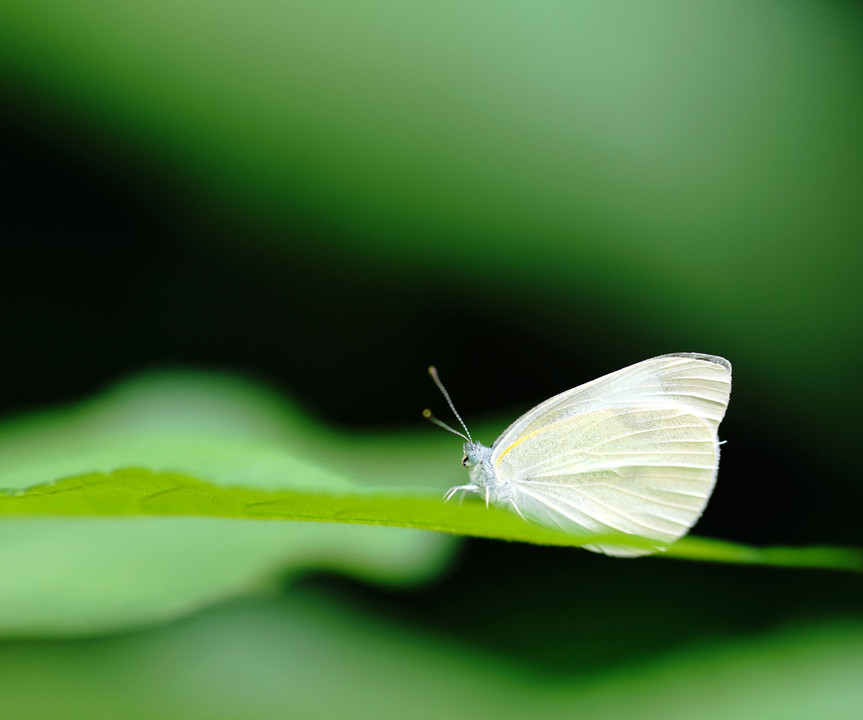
x=473, y=454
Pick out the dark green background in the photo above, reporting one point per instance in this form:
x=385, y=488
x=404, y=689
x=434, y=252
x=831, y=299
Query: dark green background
x=330, y=196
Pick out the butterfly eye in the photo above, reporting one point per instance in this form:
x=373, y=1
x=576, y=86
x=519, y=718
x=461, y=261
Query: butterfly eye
x=464, y=461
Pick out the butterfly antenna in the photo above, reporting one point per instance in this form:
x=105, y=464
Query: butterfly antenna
x=429, y=416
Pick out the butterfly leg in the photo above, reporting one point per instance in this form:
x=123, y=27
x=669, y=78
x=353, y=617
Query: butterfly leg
x=486, y=496
x=453, y=490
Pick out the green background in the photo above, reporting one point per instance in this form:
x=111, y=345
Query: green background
x=233, y=228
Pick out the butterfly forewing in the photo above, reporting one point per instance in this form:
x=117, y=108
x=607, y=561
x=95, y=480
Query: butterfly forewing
x=633, y=452
x=699, y=383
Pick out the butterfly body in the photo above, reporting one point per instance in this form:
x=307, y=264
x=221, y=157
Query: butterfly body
x=632, y=453
x=483, y=478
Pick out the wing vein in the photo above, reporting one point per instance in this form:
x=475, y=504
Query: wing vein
x=622, y=514
x=555, y=508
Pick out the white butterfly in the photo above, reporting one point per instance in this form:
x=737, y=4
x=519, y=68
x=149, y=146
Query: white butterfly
x=633, y=452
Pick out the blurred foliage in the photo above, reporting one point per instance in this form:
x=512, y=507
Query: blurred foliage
x=311, y=656
x=330, y=196
x=77, y=577
x=708, y=159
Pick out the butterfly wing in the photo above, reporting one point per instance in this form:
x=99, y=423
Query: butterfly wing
x=632, y=452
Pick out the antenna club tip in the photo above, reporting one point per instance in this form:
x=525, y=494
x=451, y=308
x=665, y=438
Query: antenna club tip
x=433, y=371
x=427, y=413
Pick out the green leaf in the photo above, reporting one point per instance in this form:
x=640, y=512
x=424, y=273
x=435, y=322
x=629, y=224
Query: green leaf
x=140, y=492
x=219, y=447
x=89, y=572
x=151, y=501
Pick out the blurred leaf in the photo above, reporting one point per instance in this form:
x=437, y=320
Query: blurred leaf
x=310, y=656
x=73, y=576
